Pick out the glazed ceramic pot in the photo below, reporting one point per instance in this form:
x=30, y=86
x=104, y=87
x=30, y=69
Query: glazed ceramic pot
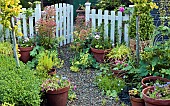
x=57, y=97
x=153, y=102
x=25, y=53
x=153, y=79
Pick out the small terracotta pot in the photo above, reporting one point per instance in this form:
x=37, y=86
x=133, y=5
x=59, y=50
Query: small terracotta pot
x=137, y=101
x=25, y=53
x=152, y=78
x=52, y=72
x=58, y=97
x=99, y=54
x=153, y=102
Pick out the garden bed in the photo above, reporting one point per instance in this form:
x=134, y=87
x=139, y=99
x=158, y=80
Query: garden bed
x=88, y=94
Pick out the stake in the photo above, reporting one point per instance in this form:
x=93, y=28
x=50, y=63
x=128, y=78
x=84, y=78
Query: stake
x=14, y=43
x=137, y=39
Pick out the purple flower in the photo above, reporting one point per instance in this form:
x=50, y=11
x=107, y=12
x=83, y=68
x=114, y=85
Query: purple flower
x=122, y=9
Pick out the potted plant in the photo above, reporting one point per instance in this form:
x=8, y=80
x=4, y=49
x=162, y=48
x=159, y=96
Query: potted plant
x=100, y=45
x=48, y=61
x=26, y=45
x=136, y=97
x=56, y=90
x=157, y=95
x=152, y=80
x=118, y=58
x=146, y=25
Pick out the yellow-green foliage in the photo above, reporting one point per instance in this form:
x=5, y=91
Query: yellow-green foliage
x=6, y=48
x=7, y=104
x=119, y=53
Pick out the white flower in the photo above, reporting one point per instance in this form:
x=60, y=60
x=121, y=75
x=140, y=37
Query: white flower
x=97, y=37
x=26, y=39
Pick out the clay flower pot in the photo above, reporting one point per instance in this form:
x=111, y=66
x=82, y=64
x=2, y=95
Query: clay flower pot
x=153, y=102
x=25, y=53
x=57, y=97
x=99, y=54
x=52, y=72
x=152, y=78
x=137, y=101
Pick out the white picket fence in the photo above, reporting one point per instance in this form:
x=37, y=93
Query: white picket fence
x=97, y=19
x=64, y=21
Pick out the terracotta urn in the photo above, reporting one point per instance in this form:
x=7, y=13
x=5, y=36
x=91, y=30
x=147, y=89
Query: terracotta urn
x=25, y=53
x=137, y=101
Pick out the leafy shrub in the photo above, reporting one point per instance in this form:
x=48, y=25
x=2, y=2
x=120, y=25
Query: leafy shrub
x=18, y=85
x=6, y=48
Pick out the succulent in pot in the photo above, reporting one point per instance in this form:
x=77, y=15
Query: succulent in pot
x=56, y=90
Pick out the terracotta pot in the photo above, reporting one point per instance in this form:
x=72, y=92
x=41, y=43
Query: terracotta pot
x=99, y=54
x=52, y=72
x=25, y=53
x=118, y=73
x=137, y=101
x=152, y=78
x=153, y=102
x=142, y=44
x=58, y=97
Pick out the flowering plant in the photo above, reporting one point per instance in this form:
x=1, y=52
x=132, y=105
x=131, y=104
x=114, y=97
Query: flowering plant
x=26, y=42
x=135, y=92
x=54, y=83
x=160, y=91
x=99, y=41
x=119, y=65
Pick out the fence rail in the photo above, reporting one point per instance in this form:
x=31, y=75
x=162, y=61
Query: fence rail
x=64, y=21
x=120, y=21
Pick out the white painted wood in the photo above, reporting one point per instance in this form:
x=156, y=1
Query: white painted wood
x=24, y=20
x=87, y=11
x=68, y=24
x=120, y=26
x=31, y=27
x=57, y=20
x=126, y=37
x=93, y=19
x=60, y=22
x=106, y=23
x=99, y=17
x=64, y=20
x=72, y=28
x=112, y=33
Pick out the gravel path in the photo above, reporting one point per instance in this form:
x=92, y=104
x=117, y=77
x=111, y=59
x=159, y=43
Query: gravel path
x=87, y=93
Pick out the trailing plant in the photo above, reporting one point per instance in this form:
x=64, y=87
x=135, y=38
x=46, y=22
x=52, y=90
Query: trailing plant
x=18, y=85
x=82, y=61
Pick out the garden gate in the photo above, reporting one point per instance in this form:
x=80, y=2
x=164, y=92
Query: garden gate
x=64, y=21
x=120, y=21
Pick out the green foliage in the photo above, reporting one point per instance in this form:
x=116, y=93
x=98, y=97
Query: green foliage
x=120, y=52
x=6, y=49
x=48, y=60
x=18, y=86
x=155, y=60
x=82, y=61
x=99, y=40
x=108, y=4
x=7, y=104
x=110, y=86
x=26, y=42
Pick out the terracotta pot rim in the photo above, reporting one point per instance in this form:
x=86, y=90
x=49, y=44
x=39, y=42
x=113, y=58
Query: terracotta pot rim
x=153, y=78
x=148, y=88
x=100, y=50
x=136, y=99
x=25, y=48
x=59, y=91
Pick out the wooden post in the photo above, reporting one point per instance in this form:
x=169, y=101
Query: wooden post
x=14, y=42
x=87, y=12
x=137, y=39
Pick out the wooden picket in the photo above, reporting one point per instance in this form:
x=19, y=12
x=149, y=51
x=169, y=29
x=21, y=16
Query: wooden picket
x=106, y=18
x=64, y=21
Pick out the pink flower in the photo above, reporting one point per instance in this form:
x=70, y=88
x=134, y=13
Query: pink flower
x=75, y=87
x=122, y=9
